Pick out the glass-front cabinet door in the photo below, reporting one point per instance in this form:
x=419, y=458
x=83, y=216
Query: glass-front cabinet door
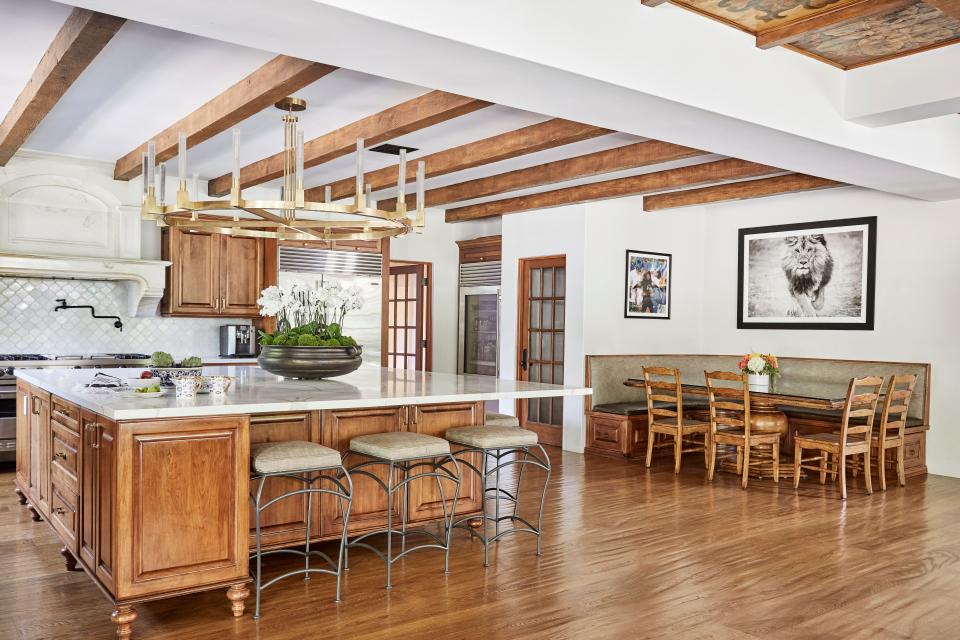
x=479, y=329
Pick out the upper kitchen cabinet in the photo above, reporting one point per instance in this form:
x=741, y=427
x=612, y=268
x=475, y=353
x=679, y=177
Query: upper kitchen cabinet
x=215, y=275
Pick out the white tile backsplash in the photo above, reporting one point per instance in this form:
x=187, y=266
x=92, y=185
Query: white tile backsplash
x=30, y=325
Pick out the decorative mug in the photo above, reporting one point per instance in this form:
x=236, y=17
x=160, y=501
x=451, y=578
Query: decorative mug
x=218, y=385
x=186, y=387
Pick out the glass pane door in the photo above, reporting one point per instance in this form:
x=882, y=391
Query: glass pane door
x=542, y=339
x=480, y=318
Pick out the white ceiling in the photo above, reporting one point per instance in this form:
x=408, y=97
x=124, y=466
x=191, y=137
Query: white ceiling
x=148, y=77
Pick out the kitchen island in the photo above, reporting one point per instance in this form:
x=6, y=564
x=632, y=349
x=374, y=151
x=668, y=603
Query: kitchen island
x=150, y=496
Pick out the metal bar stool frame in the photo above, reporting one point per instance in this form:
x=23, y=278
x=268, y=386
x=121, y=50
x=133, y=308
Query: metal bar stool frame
x=498, y=454
x=344, y=495
x=404, y=465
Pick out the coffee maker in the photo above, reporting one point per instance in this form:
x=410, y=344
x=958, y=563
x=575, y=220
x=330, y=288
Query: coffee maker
x=238, y=340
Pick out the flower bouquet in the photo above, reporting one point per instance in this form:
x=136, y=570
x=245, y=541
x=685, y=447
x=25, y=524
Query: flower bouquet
x=309, y=340
x=759, y=367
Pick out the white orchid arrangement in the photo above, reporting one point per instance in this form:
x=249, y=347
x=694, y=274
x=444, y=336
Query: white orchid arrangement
x=309, y=315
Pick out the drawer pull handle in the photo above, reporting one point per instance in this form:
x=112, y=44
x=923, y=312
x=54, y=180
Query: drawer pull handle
x=61, y=455
x=60, y=511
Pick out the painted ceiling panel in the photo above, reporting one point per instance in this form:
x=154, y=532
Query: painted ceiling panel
x=916, y=27
x=757, y=15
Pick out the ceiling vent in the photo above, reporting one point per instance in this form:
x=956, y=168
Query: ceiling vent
x=393, y=149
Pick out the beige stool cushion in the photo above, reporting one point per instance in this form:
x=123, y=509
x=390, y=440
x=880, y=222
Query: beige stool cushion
x=490, y=437
x=280, y=457
x=399, y=446
x=500, y=420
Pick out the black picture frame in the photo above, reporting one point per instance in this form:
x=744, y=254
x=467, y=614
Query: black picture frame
x=629, y=288
x=868, y=287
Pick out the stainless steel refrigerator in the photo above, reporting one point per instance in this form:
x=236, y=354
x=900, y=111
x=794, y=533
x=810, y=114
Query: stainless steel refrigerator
x=478, y=349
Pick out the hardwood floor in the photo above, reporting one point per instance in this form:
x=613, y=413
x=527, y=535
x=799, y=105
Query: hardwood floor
x=628, y=553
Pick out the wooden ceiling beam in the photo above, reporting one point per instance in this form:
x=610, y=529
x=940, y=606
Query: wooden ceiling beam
x=277, y=79
x=949, y=7
x=632, y=156
x=82, y=37
x=698, y=174
x=413, y=115
x=760, y=188
x=840, y=15
x=537, y=137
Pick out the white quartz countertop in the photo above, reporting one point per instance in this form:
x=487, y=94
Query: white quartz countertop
x=256, y=391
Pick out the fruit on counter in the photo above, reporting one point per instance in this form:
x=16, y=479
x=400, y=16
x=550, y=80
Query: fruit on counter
x=154, y=388
x=146, y=375
x=192, y=361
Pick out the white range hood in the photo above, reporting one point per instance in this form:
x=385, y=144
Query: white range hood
x=143, y=279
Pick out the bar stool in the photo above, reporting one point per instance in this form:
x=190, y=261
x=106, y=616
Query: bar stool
x=499, y=442
x=407, y=452
x=297, y=460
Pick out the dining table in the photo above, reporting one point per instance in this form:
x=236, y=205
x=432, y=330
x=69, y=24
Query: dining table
x=767, y=404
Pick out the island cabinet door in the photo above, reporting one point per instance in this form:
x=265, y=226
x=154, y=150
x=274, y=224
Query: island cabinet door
x=434, y=420
x=95, y=536
x=369, y=510
x=180, y=521
x=285, y=521
x=23, y=436
x=39, y=489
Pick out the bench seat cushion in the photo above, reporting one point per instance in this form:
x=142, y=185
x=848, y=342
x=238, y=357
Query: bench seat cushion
x=834, y=416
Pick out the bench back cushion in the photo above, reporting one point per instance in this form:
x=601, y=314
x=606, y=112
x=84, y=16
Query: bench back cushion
x=607, y=373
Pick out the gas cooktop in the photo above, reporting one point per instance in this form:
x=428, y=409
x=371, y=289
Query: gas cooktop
x=18, y=357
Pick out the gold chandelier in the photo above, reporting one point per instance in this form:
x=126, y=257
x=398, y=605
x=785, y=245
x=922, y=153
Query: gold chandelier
x=291, y=217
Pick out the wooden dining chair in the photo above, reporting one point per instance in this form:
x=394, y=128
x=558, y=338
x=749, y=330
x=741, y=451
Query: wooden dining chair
x=893, y=421
x=854, y=437
x=665, y=416
x=729, y=397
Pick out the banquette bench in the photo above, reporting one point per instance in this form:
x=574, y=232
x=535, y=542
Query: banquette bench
x=616, y=415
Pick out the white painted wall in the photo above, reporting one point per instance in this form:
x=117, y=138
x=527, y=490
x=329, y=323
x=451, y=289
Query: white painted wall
x=438, y=245
x=547, y=233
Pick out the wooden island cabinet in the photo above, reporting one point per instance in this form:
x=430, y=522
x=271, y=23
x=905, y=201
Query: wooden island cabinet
x=160, y=507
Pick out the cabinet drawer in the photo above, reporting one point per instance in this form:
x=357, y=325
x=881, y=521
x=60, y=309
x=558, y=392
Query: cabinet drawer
x=606, y=434
x=65, y=413
x=63, y=514
x=65, y=455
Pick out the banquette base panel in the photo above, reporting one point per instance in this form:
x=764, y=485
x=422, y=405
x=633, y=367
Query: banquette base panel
x=625, y=436
x=152, y=509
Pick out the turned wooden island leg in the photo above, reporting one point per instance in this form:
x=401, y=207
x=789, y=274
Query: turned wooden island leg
x=236, y=594
x=21, y=496
x=123, y=617
x=69, y=560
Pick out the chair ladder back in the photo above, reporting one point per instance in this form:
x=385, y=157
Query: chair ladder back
x=896, y=403
x=728, y=399
x=658, y=389
x=863, y=394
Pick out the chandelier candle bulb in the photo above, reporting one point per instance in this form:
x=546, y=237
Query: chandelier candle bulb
x=143, y=173
x=299, y=165
x=182, y=159
x=368, y=190
x=328, y=194
x=402, y=181
x=236, y=158
x=421, y=174
x=359, y=184
x=151, y=164
x=163, y=183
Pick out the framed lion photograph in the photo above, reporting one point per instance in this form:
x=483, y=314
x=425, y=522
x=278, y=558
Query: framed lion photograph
x=648, y=285
x=811, y=275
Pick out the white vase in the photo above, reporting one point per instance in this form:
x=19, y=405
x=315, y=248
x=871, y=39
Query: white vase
x=758, y=381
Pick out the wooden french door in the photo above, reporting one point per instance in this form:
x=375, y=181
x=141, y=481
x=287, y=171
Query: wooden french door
x=540, y=341
x=408, y=312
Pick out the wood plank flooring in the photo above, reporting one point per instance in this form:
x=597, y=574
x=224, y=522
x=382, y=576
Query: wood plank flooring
x=628, y=553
